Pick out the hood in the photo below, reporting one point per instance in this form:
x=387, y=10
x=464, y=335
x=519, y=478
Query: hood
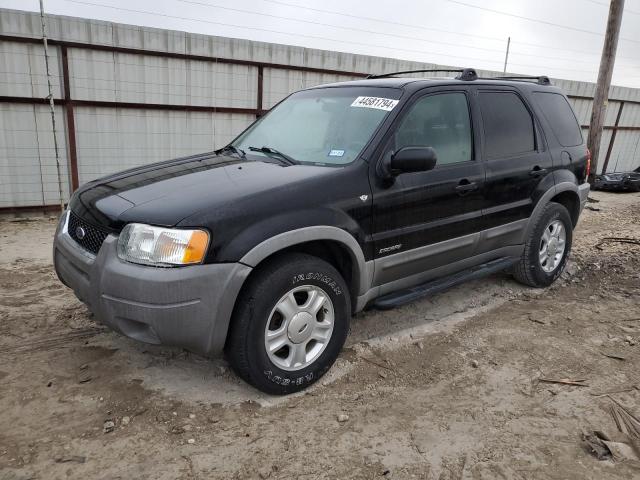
x=167, y=192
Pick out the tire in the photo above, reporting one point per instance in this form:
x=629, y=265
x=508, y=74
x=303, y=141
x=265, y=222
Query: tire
x=287, y=284
x=530, y=270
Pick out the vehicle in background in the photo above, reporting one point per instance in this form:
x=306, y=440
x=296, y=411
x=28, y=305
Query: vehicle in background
x=618, y=181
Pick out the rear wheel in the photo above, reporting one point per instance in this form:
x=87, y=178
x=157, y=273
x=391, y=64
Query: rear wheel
x=289, y=325
x=547, y=248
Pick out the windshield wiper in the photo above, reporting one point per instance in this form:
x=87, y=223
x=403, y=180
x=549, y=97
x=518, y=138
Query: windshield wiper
x=272, y=151
x=232, y=149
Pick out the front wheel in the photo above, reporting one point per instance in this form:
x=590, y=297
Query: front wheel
x=547, y=248
x=289, y=325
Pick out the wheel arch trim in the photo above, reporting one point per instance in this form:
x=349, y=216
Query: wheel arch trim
x=546, y=198
x=363, y=270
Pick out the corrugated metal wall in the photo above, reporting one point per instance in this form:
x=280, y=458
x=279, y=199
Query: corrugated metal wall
x=111, y=137
x=28, y=173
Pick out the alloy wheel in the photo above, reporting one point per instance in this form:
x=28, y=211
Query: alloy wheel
x=299, y=327
x=552, y=246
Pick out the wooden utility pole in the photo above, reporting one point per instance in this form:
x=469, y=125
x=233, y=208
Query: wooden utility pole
x=506, y=55
x=601, y=96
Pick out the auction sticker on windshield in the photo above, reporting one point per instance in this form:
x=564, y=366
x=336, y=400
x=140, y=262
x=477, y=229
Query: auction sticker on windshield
x=375, y=102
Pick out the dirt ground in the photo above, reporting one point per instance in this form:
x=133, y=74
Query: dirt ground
x=445, y=388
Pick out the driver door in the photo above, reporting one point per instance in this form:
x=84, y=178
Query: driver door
x=438, y=212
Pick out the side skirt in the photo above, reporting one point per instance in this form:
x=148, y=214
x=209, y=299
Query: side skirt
x=435, y=274
x=408, y=295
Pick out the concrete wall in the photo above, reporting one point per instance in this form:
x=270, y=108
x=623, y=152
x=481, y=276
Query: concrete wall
x=111, y=138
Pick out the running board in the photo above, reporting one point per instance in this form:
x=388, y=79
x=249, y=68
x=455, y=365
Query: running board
x=408, y=295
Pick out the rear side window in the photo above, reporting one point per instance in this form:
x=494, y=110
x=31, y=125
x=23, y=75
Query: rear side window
x=508, y=126
x=558, y=113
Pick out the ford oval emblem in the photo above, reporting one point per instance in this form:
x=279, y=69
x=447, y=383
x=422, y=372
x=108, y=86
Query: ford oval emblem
x=80, y=233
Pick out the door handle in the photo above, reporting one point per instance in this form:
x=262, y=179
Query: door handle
x=465, y=186
x=537, y=171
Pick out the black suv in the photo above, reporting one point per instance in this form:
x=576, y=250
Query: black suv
x=618, y=181
x=368, y=193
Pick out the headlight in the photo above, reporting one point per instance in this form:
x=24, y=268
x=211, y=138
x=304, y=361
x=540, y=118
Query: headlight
x=139, y=243
x=63, y=223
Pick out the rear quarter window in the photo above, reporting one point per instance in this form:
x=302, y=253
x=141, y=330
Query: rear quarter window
x=560, y=117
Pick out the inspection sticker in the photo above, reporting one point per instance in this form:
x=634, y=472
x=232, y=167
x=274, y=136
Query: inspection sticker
x=375, y=102
x=336, y=153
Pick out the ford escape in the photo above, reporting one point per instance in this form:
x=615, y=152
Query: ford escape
x=368, y=193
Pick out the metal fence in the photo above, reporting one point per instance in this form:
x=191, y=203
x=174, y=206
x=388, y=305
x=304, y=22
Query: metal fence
x=127, y=96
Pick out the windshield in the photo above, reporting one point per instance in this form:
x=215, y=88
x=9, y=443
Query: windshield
x=326, y=126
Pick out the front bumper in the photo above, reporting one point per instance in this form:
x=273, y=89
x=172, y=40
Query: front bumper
x=188, y=307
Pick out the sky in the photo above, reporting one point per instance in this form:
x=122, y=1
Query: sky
x=558, y=38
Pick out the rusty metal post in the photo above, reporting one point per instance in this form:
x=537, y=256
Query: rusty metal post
x=260, y=90
x=613, y=138
x=71, y=122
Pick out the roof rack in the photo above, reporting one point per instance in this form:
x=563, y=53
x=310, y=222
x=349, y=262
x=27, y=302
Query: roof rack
x=540, y=80
x=467, y=74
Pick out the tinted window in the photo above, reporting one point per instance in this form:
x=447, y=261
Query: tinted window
x=508, y=126
x=558, y=113
x=439, y=121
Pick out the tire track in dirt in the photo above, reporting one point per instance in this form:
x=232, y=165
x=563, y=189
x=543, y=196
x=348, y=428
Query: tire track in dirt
x=47, y=343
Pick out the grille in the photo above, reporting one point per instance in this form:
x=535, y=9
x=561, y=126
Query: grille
x=93, y=237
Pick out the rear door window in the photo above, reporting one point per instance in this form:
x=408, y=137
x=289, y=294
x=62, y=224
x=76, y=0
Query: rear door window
x=560, y=116
x=508, y=125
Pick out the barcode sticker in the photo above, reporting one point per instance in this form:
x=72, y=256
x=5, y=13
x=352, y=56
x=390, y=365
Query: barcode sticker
x=375, y=102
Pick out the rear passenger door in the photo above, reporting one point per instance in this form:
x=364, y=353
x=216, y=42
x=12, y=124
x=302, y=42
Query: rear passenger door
x=516, y=162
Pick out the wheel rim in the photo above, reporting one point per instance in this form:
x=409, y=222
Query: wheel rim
x=552, y=246
x=299, y=327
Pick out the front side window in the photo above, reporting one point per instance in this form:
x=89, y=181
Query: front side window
x=508, y=126
x=324, y=126
x=440, y=121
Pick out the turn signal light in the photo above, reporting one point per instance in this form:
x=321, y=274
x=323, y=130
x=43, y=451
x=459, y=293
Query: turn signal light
x=196, y=248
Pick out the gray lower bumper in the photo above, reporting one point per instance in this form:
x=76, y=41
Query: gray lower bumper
x=583, y=192
x=188, y=307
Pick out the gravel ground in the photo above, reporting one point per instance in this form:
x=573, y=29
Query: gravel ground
x=445, y=388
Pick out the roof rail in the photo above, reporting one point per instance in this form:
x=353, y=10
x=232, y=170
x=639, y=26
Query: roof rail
x=465, y=73
x=540, y=80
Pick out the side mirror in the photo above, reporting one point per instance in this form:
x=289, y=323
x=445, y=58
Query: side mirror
x=412, y=159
